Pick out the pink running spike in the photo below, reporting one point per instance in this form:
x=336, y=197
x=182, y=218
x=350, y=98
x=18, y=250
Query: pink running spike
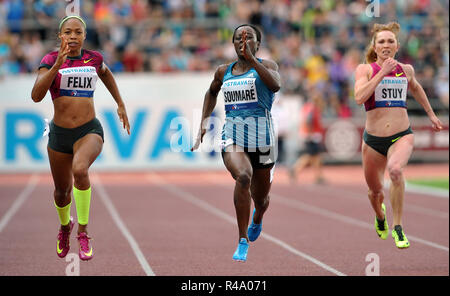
x=63, y=241
x=85, y=251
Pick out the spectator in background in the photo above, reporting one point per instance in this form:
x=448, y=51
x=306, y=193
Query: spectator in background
x=139, y=10
x=15, y=59
x=4, y=43
x=103, y=12
x=3, y=14
x=197, y=63
x=15, y=11
x=427, y=79
x=340, y=106
x=132, y=59
x=442, y=88
x=281, y=123
x=316, y=69
x=112, y=59
x=33, y=51
x=46, y=12
x=120, y=30
x=160, y=63
x=4, y=53
x=3, y=70
x=311, y=132
x=103, y=15
x=178, y=59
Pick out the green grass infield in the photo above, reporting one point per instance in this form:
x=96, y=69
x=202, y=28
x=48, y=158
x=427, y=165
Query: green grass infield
x=441, y=183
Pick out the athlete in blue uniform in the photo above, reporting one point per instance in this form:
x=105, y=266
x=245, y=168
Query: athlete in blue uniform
x=248, y=143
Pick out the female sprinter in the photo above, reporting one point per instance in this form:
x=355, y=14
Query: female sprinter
x=382, y=85
x=248, y=145
x=76, y=135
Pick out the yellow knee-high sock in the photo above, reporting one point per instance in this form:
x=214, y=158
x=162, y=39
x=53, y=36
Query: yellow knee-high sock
x=82, y=203
x=64, y=213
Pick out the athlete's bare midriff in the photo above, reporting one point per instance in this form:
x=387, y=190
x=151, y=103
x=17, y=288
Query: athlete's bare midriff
x=385, y=122
x=72, y=112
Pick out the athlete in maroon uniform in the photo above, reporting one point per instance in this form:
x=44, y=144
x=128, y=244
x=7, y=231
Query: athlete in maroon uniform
x=89, y=62
x=76, y=135
x=382, y=85
x=392, y=90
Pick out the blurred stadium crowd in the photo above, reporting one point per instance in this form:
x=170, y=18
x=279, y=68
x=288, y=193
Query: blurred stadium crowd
x=317, y=43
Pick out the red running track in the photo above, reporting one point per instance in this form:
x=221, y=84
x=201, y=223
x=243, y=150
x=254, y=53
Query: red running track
x=183, y=223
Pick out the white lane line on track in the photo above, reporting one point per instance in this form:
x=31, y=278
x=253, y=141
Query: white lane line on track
x=360, y=197
x=121, y=225
x=435, y=192
x=332, y=215
x=213, y=210
x=23, y=196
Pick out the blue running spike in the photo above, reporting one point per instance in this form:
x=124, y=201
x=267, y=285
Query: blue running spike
x=241, y=252
x=254, y=229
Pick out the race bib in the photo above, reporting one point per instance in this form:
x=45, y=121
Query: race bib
x=78, y=81
x=391, y=92
x=240, y=94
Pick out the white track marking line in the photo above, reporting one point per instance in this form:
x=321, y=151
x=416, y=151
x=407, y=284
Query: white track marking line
x=435, y=192
x=121, y=225
x=356, y=196
x=23, y=196
x=329, y=214
x=209, y=208
x=332, y=215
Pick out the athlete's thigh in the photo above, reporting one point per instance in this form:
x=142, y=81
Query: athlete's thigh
x=374, y=165
x=61, y=168
x=87, y=149
x=316, y=159
x=261, y=182
x=236, y=161
x=400, y=152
